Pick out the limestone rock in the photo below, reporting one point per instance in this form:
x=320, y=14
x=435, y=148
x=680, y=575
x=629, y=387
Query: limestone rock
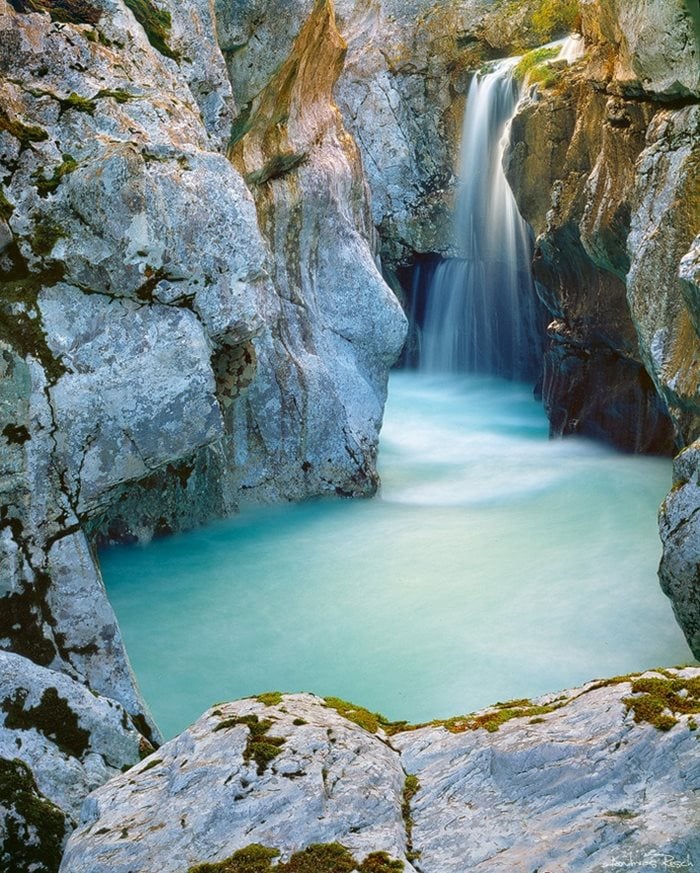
x=665, y=222
x=679, y=523
x=575, y=781
x=58, y=741
x=313, y=414
x=572, y=167
x=204, y=795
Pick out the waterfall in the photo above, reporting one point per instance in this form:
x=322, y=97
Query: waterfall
x=482, y=312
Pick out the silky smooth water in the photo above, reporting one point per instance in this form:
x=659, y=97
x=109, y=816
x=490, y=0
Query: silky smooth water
x=495, y=564
x=482, y=313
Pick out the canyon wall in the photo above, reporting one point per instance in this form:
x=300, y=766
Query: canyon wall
x=197, y=204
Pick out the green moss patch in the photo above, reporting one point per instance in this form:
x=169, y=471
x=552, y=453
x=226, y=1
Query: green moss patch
x=261, y=746
x=25, y=133
x=660, y=701
x=370, y=721
x=317, y=858
x=47, y=186
x=270, y=698
x=157, y=24
x=52, y=717
x=34, y=829
x=534, y=67
x=117, y=94
x=46, y=234
x=6, y=208
x=253, y=859
x=66, y=11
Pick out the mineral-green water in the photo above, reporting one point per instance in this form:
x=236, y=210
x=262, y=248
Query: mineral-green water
x=495, y=564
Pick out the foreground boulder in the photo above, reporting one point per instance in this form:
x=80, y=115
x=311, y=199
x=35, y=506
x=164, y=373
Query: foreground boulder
x=576, y=781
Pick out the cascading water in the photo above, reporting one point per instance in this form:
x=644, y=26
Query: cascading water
x=482, y=313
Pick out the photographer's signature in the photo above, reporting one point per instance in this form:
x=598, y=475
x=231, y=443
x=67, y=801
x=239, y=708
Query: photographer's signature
x=659, y=860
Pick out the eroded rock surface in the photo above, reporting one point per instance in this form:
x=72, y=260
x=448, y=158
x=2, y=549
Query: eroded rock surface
x=58, y=741
x=571, y=781
x=679, y=522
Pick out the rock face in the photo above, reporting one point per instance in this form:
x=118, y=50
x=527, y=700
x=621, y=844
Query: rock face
x=577, y=782
x=679, y=521
x=58, y=741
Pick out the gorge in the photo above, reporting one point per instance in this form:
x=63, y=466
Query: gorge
x=208, y=216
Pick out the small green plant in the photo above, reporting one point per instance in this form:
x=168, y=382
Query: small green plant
x=533, y=66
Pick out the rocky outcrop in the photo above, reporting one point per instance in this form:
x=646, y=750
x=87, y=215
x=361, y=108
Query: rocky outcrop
x=578, y=781
x=58, y=741
x=314, y=413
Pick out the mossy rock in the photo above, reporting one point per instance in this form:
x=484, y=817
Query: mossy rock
x=66, y=11
x=34, y=829
x=661, y=700
x=261, y=746
x=52, y=717
x=27, y=134
x=156, y=23
x=46, y=186
x=317, y=858
x=253, y=859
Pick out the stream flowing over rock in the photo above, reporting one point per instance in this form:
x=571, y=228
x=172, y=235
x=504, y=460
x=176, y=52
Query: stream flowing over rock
x=573, y=781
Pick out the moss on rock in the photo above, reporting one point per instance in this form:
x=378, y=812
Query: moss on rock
x=661, y=700
x=317, y=858
x=261, y=746
x=156, y=23
x=52, y=717
x=34, y=829
x=66, y=11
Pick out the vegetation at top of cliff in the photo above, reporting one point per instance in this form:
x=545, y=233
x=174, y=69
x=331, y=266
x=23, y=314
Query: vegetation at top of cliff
x=261, y=746
x=660, y=700
x=157, y=24
x=52, y=717
x=534, y=68
x=66, y=11
x=555, y=17
x=34, y=829
x=317, y=858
